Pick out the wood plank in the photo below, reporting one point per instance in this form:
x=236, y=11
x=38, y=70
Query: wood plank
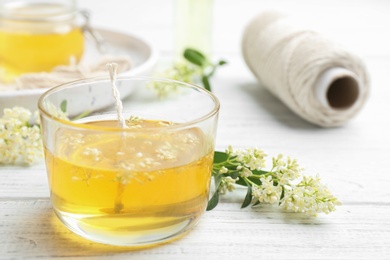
x=28, y=228
x=19, y=182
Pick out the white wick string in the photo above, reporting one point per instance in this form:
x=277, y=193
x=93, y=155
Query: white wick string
x=112, y=68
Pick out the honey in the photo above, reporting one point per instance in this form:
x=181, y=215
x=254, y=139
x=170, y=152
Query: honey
x=130, y=186
x=36, y=37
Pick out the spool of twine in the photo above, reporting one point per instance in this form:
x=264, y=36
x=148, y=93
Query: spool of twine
x=319, y=80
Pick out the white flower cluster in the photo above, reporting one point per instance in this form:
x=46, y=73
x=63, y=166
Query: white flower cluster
x=310, y=196
x=250, y=159
x=286, y=170
x=227, y=184
x=181, y=71
x=20, y=142
x=267, y=192
x=277, y=186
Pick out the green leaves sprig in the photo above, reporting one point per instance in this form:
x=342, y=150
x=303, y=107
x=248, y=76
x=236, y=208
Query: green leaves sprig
x=205, y=66
x=193, y=68
x=232, y=165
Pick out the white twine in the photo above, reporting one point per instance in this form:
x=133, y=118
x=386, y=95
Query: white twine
x=290, y=61
x=112, y=69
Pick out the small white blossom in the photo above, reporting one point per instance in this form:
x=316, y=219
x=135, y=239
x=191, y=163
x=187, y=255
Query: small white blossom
x=252, y=158
x=286, y=169
x=310, y=196
x=229, y=150
x=223, y=170
x=18, y=114
x=74, y=140
x=55, y=111
x=267, y=192
x=181, y=71
x=93, y=153
x=189, y=138
x=245, y=172
x=126, y=174
x=166, y=152
x=227, y=184
x=19, y=141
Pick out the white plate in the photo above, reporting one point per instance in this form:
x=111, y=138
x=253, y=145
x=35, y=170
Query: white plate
x=143, y=57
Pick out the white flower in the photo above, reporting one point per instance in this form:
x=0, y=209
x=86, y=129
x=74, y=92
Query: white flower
x=73, y=140
x=223, y=170
x=17, y=113
x=19, y=141
x=229, y=150
x=227, y=184
x=93, y=153
x=55, y=111
x=166, y=154
x=286, y=169
x=310, y=196
x=267, y=192
x=245, y=172
x=252, y=158
x=181, y=71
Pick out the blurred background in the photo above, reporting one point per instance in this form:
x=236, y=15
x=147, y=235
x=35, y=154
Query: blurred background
x=355, y=23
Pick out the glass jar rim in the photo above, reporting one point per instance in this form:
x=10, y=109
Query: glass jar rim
x=63, y=12
x=213, y=111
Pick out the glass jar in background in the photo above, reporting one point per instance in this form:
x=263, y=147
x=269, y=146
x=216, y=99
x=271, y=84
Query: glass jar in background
x=38, y=35
x=193, y=26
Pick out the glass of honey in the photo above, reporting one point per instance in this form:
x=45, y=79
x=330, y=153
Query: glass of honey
x=38, y=35
x=135, y=185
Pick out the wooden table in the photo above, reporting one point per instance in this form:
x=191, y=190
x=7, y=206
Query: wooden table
x=352, y=160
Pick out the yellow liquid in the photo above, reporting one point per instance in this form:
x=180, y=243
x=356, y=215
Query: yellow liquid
x=24, y=52
x=129, y=189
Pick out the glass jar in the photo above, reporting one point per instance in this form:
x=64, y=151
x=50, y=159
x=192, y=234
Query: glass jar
x=193, y=26
x=38, y=35
x=138, y=185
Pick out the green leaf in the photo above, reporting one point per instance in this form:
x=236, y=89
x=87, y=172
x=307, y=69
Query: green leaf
x=259, y=172
x=220, y=157
x=241, y=182
x=253, y=179
x=206, y=83
x=256, y=203
x=213, y=202
x=63, y=105
x=222, y=62
x=281, y=196
x=248, y=197
x=234, y=174
x=195, y=57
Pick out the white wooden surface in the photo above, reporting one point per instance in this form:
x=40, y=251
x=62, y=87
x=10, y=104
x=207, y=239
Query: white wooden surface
x=353, y=160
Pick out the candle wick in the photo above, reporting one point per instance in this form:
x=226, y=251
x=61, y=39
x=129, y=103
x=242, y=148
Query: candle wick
x=112, y=69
